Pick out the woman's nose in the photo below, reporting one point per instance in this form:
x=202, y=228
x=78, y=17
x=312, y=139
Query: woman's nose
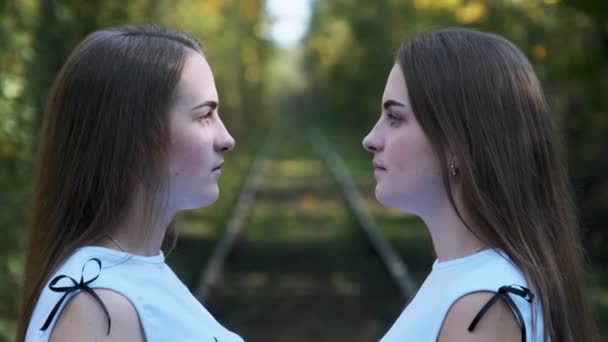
x=372, y=143
x=224, y=142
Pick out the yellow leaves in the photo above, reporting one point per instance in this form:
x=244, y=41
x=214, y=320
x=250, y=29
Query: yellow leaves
x=249, y=55
x=437, y=4
x=472, y=12
x=252, y=74
x=334, y=44
x=465, y=12
x=539, y=52
x=422, y=4
x=7, y=151
x=249, y=10
x=201, y=17
x=212, y=7
x=251, y=62
x=308, y=203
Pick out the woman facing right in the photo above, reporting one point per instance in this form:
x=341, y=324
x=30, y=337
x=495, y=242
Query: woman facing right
x=466, y=142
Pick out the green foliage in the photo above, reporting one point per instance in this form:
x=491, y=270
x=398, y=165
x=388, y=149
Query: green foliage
x=15, y=152
x=36, y=37
x=348, y=53
x=232, y=35
x=351, y=47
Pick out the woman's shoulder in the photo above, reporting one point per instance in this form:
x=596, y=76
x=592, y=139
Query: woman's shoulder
x=454, y=293
x=493, y=276
x=498, y=323
x=87, y=317
x=88, y=270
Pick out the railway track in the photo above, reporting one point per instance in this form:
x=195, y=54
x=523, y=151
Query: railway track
x=301, y=259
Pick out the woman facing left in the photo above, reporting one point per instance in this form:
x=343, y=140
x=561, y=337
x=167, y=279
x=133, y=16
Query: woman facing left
x=131, y=135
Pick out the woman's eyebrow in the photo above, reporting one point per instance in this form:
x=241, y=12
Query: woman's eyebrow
x=390, y=103
x=211, y=104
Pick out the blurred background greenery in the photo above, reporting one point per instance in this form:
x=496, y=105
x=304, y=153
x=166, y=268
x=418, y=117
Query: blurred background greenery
x=332, y=77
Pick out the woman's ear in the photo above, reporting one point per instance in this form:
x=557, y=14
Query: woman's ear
x=452, y=162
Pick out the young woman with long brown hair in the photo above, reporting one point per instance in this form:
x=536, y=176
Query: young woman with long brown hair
x=466, y=142
x=131, y=135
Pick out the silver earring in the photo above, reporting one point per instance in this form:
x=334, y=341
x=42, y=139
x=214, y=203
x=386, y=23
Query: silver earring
x=453, y=169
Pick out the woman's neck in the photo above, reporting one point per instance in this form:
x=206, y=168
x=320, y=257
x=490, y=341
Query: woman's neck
x=139, y=232
x=451, y=237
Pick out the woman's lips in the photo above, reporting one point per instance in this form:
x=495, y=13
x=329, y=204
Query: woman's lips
x=378, y=167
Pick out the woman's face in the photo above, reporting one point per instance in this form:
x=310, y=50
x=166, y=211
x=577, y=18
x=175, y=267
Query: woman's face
x=199, y=139
x=406, y=169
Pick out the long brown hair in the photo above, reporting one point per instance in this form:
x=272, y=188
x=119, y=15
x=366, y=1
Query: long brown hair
x=104, y=136
x=477, y=94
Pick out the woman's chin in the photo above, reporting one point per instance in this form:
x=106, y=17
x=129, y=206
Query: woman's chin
x=382, y=195
x=201, y=200
x=392, y=199
x=210, y=197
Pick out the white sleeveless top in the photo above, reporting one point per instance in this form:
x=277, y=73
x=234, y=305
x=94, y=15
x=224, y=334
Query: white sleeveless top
x=166, y=308
x=487, y=270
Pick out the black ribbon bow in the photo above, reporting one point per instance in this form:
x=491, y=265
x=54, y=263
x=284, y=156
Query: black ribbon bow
x=503, y=292
x=67, y=290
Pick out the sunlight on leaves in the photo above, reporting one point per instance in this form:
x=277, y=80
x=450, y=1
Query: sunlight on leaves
x=470, y=13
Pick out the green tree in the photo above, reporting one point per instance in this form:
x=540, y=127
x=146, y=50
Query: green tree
x=36, y=37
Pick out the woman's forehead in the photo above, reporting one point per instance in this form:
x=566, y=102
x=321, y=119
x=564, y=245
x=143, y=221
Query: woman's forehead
x=396, y=88
x=196, y=82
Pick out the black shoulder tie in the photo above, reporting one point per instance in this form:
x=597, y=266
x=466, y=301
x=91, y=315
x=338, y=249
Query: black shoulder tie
x=503, y=293
x=82, y=285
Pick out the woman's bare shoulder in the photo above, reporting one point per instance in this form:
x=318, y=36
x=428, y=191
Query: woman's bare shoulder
x=497, y=324
x=83, y=319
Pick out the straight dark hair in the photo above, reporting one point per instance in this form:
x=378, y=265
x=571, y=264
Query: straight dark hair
x=477, y=95
x=104, y=136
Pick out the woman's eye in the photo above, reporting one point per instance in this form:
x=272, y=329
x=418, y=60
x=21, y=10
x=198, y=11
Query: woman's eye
x=205, y=117
x=393, y=119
